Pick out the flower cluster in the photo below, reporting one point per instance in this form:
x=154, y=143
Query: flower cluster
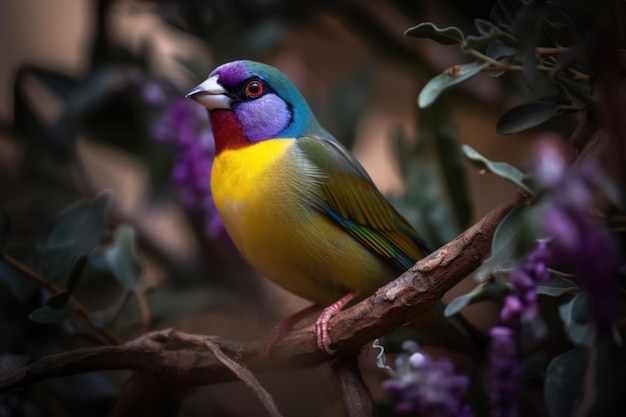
x=430, y=388
x=185, y=125
x=580, y=245
x=519, y=315
x=572, y=241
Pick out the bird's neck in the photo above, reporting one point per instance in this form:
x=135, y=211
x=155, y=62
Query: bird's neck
x=227, y=131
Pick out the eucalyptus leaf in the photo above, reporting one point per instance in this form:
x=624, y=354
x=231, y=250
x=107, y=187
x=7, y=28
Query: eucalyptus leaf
x=564, y=382
x=484, y=27
x=48, y=315
x=121, y=258
x=77, y=232
x=449, y=78
x=58, y=301
x=526, y=116
x=488, y=32
x=512, y=239
x=498, y=50
x=557, y=286
x=493, y=290
x=501, y=169
x=104, y=316
x=576, y=317
x=446, y=36
x=475, y=42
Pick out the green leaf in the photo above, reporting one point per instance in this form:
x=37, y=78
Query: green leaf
x=493, y=290
x=104, y=316
x=501, y=169
x=437, y=201
x=557, y=286
x=48, y=315
x=497, y=50
x=77, y=232
x=121, y=258
x=564, y=382
x=527, y=115
x=446, y=36
x=58, y=301
x=475, y=42
x=451, y=77
x=488, y=33
x=513, y=238
x=484, y=27
x=579, y=327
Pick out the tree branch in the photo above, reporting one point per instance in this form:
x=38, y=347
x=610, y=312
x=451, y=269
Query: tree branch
x=357, y=399
x=184, y=358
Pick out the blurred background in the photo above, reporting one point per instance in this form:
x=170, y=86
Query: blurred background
x=91, y=99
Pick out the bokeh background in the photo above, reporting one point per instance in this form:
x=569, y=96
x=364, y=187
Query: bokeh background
x=84, y=86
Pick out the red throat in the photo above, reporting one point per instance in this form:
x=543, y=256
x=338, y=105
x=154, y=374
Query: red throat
x=227, y=131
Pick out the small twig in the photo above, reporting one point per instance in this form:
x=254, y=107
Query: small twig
x=246, y=377
x=545, y=51
x=55, y=289
x=494, y=64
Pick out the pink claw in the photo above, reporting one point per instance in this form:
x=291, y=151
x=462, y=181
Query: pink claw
x=321, y=325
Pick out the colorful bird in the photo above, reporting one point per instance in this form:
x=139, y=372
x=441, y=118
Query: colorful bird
x=298, y=205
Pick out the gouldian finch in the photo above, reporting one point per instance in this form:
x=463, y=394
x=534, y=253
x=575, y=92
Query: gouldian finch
x=296, y=203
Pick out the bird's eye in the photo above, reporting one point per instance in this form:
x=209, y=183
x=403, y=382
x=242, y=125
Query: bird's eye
x=254, y=89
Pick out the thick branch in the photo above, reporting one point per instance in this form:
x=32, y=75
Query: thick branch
x=186, y=359
x=356, y=395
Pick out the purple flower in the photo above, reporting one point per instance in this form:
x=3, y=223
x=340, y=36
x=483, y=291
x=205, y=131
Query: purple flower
x=430, y=388
x=580, y=245
x=520, y=323
x=186, y=126
x=504, y=372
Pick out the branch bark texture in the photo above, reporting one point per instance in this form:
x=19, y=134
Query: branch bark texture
x=185, y=359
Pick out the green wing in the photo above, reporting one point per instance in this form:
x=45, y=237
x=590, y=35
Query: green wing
x=350, y=198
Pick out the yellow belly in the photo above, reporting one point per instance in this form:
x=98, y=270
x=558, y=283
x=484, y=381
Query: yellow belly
x=265, y=196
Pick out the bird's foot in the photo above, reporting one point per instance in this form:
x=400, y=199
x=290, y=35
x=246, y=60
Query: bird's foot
x=321, y=325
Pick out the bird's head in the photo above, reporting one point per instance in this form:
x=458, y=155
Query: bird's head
x=249, y=102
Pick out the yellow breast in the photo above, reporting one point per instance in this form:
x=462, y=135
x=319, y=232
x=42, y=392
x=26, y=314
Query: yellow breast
x=266, y=196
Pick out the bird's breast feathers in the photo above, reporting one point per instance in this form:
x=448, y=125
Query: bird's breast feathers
x=267, y=194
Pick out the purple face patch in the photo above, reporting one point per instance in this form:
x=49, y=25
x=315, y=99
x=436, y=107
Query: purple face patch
x=263, y=118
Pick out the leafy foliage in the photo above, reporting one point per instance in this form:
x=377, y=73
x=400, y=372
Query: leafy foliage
x=73, y=264
x=535, y=40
